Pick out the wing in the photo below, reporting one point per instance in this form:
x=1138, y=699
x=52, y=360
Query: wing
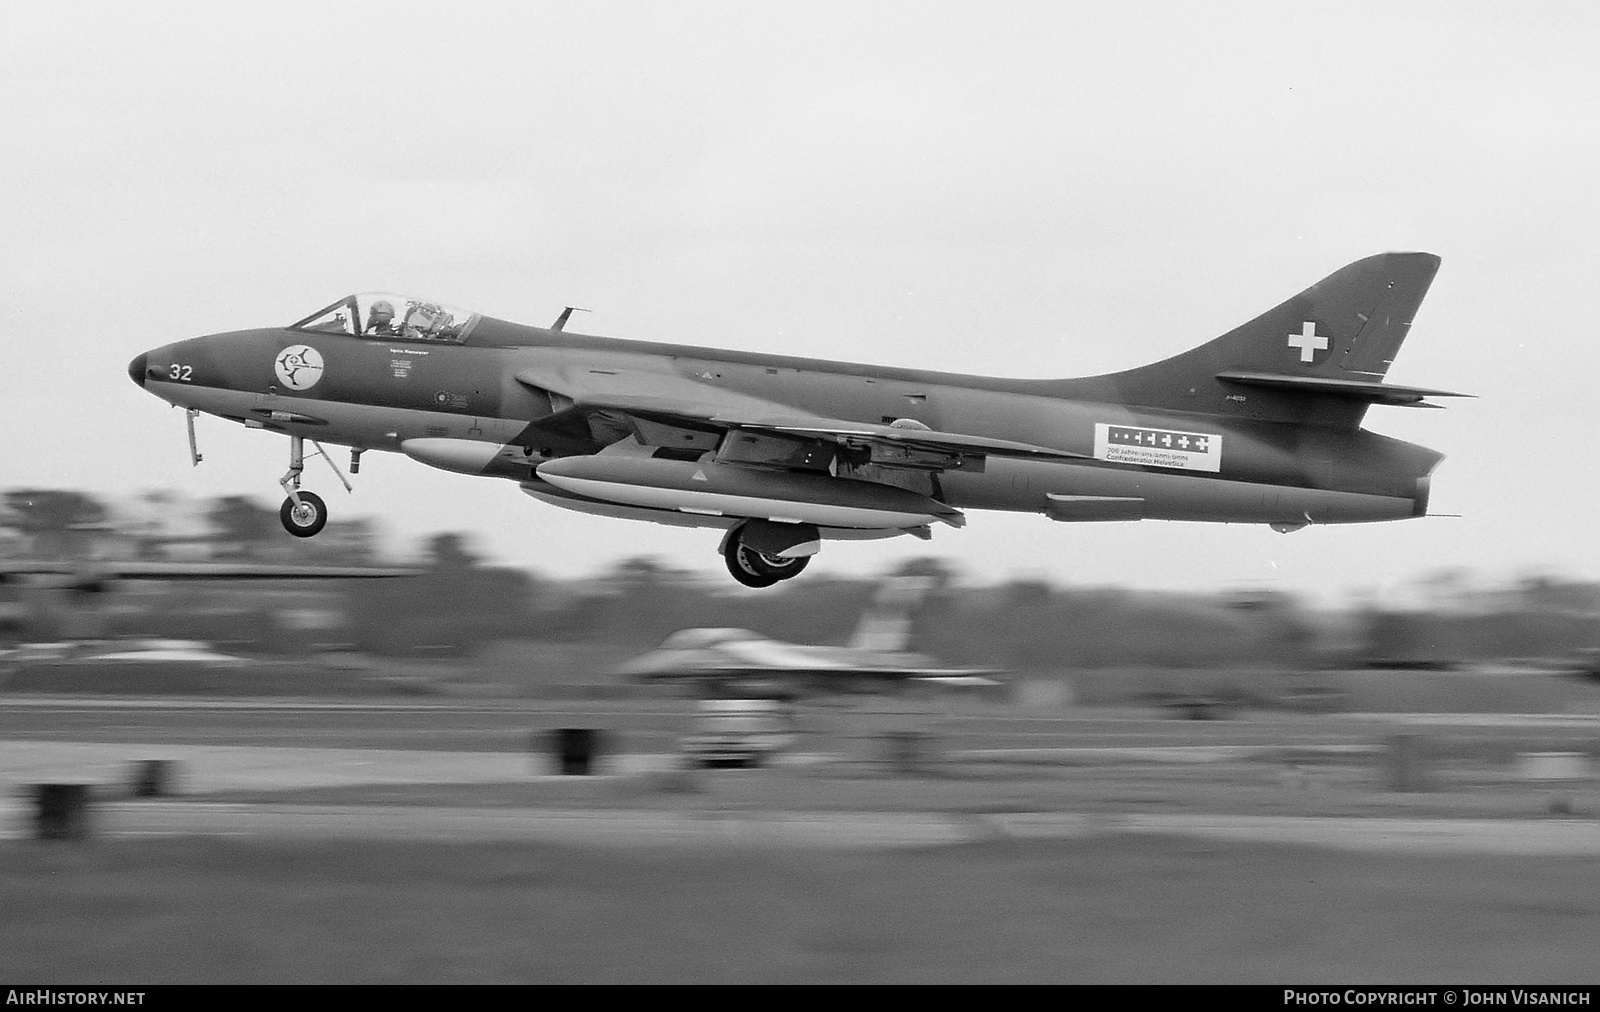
x=756, y=656
x=667, y=409
x=760, y=657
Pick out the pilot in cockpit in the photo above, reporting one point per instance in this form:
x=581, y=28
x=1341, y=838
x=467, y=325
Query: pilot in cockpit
x=380, y=320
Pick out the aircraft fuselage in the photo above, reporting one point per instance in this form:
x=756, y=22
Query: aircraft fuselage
x=379, y=395
x=1260, y=425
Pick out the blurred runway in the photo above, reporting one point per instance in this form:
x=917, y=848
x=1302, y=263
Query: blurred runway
x=847, y=830
x=821, y=801
x=210, y=769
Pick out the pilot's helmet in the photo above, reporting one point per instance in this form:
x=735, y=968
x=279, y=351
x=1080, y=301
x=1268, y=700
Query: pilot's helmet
x=382, y=312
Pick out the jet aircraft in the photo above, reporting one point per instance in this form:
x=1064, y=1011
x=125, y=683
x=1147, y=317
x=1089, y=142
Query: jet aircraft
x=1261, y=425
x=744, y=663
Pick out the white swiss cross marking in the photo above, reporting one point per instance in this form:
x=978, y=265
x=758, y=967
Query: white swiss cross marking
x=1308, y=341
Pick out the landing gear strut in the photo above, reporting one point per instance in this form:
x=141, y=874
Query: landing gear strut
x=304, y=513
x=754, y=569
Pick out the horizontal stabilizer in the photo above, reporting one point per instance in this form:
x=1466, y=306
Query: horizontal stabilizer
x=1371, y=391
x=958, y=680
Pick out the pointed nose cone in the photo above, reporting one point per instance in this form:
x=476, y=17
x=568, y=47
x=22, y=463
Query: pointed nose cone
x=136, y=369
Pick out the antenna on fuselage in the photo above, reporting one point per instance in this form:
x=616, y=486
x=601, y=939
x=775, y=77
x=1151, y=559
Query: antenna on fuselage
x=566, y=314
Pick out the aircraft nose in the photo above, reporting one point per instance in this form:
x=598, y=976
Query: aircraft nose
x=136, y=368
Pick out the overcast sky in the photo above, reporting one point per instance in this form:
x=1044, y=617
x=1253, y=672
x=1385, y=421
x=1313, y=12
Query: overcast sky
x=1023, y=189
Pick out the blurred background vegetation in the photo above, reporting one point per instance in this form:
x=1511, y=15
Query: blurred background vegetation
x=462, y=605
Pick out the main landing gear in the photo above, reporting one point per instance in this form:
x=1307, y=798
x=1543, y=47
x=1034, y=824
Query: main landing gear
x=304, y=514
x=753, y=569
x=754, y=551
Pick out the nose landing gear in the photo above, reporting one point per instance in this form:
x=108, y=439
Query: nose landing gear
x=304, y=514
x=305, y=517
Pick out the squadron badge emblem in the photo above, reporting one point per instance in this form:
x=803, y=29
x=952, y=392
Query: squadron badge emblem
x=298, y=366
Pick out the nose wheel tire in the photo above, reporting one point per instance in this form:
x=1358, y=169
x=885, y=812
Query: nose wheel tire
x=305, y=519
x=754, y=569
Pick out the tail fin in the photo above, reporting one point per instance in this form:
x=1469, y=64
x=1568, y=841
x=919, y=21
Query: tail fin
x=1318, y=358
x=886, y=624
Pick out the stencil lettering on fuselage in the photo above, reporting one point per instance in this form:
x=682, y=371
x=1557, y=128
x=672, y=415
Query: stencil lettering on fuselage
x=1134, y=444
x=299, y=366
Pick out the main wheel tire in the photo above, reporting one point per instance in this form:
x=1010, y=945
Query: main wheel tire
x=306, y=519
x=744, y=575
x=754, y=569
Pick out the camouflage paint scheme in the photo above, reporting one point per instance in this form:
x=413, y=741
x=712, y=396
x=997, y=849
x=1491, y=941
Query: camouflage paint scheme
x=1260, y=425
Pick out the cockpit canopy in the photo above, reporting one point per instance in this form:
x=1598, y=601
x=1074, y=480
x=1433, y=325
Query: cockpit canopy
x=385, y=317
